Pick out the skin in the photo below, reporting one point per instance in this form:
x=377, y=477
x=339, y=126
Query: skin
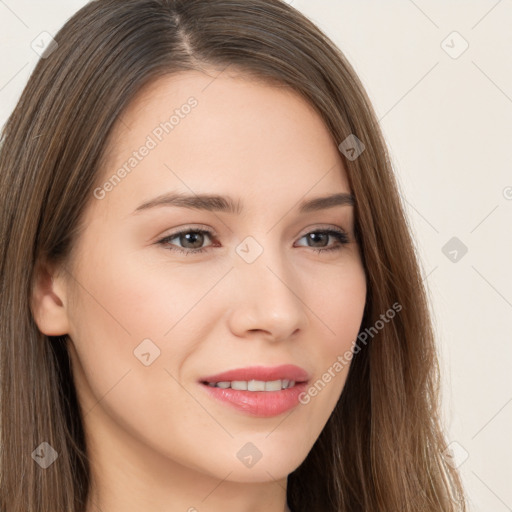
x=156, y=440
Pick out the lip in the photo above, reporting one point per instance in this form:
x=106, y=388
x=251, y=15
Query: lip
x=263, y=404
x=266, y=373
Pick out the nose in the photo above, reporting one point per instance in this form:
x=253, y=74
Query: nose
x=267, y=300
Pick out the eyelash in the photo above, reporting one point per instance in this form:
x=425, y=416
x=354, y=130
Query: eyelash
x=339, y=234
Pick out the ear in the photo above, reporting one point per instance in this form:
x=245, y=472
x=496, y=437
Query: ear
x=48, y=301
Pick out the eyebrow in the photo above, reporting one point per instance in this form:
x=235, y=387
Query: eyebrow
x=217, y=203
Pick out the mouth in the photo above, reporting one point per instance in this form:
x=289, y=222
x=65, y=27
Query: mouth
x=258, y=391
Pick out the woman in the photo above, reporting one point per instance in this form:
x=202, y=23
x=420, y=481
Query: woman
x=210, y=296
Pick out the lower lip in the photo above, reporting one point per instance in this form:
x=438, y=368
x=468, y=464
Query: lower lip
x=263, y=404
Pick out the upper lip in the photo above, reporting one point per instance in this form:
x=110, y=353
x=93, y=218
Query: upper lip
x=264, y=373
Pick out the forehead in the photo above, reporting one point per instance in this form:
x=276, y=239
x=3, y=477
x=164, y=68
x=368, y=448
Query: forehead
x=225, y=133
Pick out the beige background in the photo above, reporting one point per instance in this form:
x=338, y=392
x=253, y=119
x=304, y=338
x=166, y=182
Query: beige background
x=447, y=117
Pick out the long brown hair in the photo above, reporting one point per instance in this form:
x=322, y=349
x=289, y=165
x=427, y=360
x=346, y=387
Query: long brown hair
x=382, y=448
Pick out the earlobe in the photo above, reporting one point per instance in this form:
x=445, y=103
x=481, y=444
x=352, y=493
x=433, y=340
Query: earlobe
x=48, y=302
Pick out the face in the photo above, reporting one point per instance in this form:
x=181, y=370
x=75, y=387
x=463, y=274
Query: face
x=153, y=313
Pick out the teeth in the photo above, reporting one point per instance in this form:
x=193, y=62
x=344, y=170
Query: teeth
x=274, y=385
x=254, y=385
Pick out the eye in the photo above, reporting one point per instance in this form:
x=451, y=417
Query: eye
x=192, y=240
x=321, y=236
x=193, y=237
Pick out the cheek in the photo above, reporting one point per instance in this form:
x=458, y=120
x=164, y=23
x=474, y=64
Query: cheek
x=134, y=324
x=130, y=299
x=121, y=318
x=337, y=304
x=337, y=309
